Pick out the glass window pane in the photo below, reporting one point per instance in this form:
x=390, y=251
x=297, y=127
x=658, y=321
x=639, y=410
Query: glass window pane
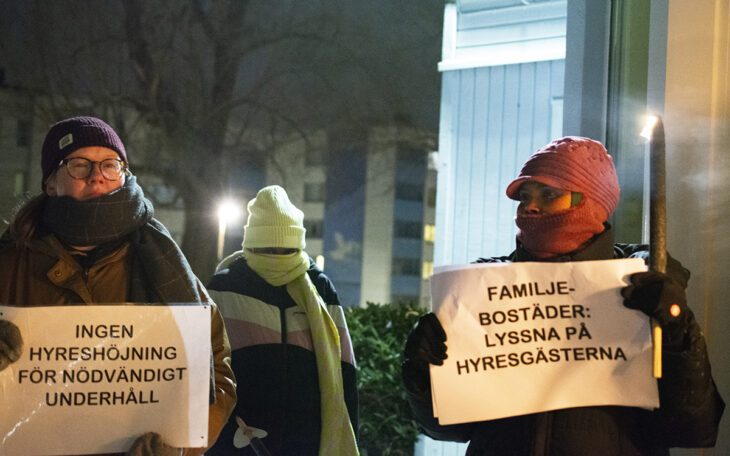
x=315, y=228
x=314, y=192
x=407, y=229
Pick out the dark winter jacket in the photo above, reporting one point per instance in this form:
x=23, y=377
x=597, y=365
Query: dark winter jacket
x=274, y=362
x=689, y=414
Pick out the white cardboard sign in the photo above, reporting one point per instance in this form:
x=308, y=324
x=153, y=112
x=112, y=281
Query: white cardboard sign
x=531, y=337
x=92, y=379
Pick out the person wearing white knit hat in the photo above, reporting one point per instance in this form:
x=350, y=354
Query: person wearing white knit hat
x=274, y=222
x=292, y=353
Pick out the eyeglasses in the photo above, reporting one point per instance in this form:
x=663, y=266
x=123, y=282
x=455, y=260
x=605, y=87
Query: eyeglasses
x=80, y=168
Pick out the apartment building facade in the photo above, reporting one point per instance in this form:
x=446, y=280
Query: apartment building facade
x=368, y=199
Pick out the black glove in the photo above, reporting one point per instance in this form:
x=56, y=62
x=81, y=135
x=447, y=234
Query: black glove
x=11, y=344
x=663, y=299
x=151, y=444
x=425, y=345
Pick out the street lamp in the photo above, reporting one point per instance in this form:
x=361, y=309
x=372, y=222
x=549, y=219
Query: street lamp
x=228, y=212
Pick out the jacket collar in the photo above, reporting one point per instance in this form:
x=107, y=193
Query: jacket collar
x=600, y=247
x=51, y=246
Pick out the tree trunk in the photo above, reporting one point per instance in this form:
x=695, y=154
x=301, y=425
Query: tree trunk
x=201, y=235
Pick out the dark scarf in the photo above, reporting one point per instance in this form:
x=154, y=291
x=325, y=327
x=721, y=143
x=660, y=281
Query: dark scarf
x=160, y=271
x=100, y=220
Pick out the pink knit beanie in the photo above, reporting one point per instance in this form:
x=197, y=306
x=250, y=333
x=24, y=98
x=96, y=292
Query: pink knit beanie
x=577, y=164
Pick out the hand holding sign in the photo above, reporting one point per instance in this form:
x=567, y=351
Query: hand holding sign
x=151, y=444
x=532, y=337
x=92, y=379
x=661, y=298
x=425, y=345
x=11, y=344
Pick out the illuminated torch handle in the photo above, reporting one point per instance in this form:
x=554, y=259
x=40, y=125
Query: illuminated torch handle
x=657, y=223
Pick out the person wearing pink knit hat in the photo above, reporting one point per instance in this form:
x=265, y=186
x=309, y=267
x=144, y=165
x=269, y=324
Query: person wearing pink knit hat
x=567, y=191
x=575, y=171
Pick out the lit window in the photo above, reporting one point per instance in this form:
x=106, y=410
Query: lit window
x=319, y=260
x=429, y=232
x=427, y=270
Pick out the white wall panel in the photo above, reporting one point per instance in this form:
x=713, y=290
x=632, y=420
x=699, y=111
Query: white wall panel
x=493, y=118
x=503, y=70
x=491, y=34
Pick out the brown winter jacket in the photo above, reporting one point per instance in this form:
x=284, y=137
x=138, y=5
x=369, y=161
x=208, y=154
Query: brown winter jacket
x=43, y=273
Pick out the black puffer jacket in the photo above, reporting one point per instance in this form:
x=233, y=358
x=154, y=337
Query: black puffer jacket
x=274, y=363
x=689, y=414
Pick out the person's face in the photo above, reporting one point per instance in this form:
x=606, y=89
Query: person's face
x=537, y=198
x=60, y=183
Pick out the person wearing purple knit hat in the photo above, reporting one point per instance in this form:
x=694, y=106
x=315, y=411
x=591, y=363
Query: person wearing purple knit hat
x=567, y=190
x=90, y=238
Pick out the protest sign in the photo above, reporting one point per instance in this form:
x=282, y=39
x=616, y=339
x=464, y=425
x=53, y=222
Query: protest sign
x=531, y=337
x=92, y=379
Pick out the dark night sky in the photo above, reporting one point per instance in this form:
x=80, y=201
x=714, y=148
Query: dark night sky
x=383, y=61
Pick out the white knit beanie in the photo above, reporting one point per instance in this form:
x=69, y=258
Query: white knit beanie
x=273, y=221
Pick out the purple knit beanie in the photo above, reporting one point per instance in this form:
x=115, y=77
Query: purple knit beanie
x=72, y=134
x=577, y=164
